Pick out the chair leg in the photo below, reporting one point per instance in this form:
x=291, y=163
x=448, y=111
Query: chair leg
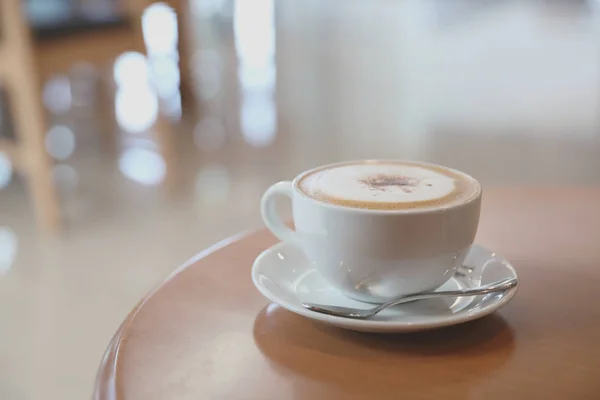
x=30, y=126
x=24, y=92
x=29, y=120
x=43, y=191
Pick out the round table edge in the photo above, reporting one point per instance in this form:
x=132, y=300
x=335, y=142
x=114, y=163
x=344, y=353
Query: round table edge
x=107, y=385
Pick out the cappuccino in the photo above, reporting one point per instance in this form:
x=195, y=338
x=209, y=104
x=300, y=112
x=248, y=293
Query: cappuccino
x=382, y=185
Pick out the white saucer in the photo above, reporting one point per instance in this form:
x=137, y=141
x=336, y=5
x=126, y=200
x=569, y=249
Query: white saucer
x=284, y=276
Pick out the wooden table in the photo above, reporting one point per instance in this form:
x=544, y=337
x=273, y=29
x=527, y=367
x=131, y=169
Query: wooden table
x=206, y=333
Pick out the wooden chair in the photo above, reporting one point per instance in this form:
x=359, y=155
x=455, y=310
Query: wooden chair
x=19, y=77
x=30, y=56
x=97, y=41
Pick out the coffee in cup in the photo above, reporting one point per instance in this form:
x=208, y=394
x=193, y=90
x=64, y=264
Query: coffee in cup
x=379, y=229
x=388, y=185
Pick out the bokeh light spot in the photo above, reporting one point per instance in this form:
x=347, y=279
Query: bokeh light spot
x=60, y=142
x=143, y=166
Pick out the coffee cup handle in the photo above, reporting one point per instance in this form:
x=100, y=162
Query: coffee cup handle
x=269, y=211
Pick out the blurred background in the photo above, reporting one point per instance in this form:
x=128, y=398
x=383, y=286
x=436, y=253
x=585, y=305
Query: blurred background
x=134, y=134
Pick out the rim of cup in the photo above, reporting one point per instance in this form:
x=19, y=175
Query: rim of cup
x=426, y=210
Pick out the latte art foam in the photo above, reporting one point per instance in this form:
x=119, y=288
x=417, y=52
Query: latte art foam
x=388, y=185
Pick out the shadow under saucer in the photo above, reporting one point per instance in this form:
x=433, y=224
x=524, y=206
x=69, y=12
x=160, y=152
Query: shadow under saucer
x=419, y=362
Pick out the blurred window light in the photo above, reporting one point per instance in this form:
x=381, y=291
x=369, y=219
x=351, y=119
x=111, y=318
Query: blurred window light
x=171, y=107
x=209, y=134
x=208, y=8
x=254, y=31
x=140, y=142
x=255, y=46
x=8, y=248
x=136, y=108
x=45, y=12
x=258, y=118
x=208, y=67
x=165, y=75
x=207, y=59
x=208, y=89
x=56, y=95
x=65, y=177
x=60, y=142
x=131, y=69
x=5, y=170
x=143, y=166
x=213, y=184
x=257, y=78
x=159, y=25
x=99, y=10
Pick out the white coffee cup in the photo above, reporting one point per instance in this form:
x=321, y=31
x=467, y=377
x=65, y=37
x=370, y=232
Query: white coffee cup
x=374, y=255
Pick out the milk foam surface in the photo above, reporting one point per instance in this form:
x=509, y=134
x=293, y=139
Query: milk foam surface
x=379, y=183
